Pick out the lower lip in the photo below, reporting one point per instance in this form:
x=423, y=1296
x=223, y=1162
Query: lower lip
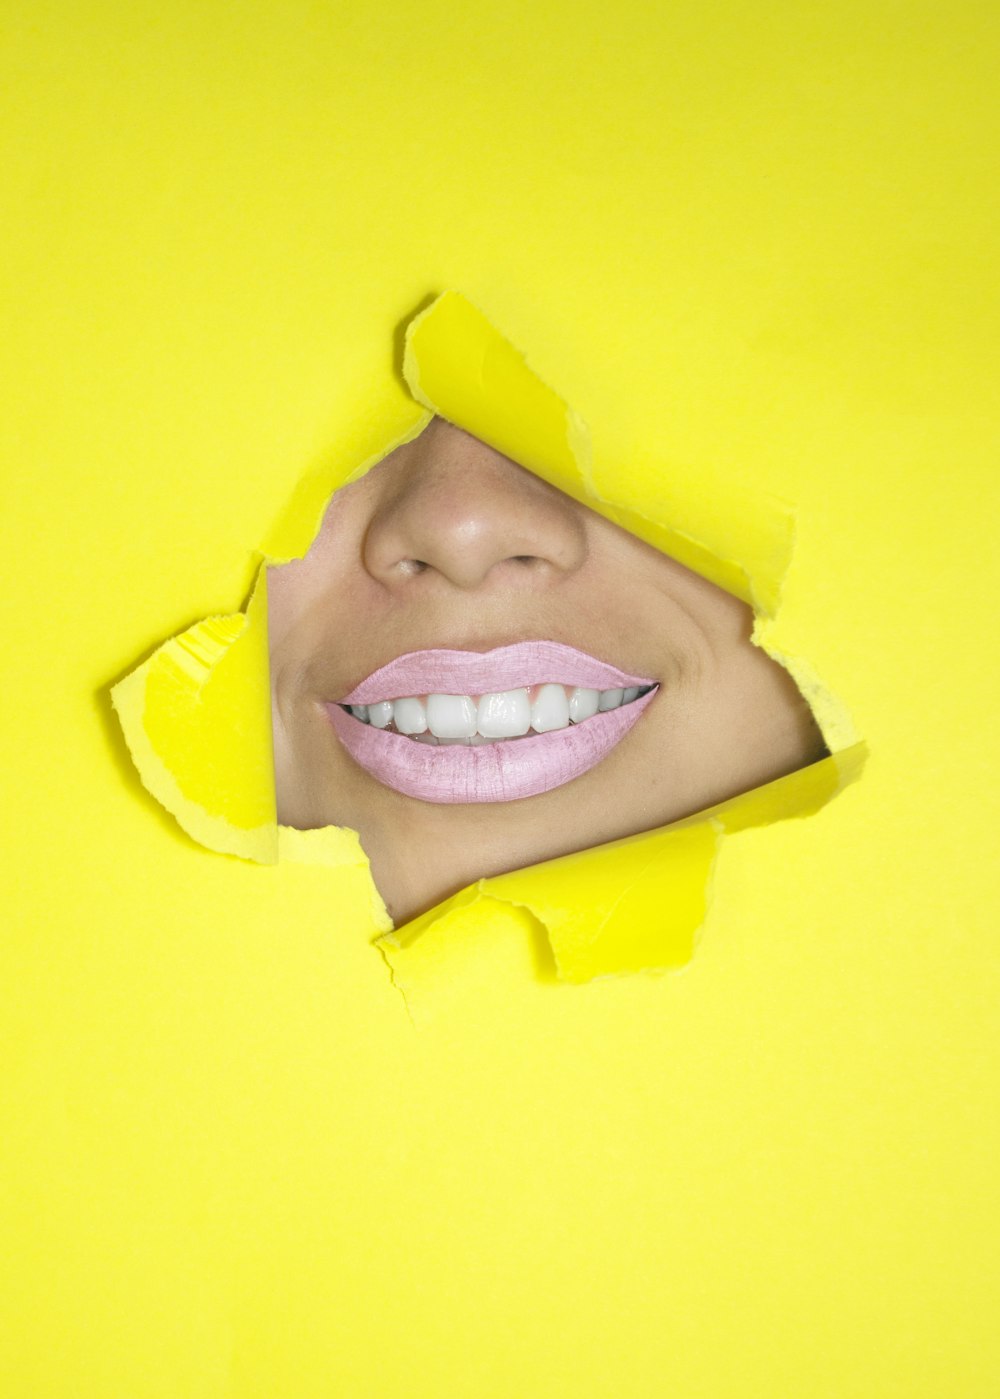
x=505, y=771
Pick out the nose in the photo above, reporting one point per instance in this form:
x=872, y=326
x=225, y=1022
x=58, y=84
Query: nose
x=451, y=504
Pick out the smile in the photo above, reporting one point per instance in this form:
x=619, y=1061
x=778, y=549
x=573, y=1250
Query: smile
x=464, y=726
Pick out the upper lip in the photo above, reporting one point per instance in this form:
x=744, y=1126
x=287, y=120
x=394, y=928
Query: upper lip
x=524, y=664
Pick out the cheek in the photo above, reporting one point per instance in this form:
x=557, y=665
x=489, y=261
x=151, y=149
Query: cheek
x=303, y=598
x=286, y=595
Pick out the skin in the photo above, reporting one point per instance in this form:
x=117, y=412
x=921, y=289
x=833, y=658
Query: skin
x=448, y=544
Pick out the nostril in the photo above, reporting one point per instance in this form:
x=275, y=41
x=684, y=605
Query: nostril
x=412, y=567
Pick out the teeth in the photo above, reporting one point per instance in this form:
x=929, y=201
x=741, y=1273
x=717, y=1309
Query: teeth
x=445, y=719
x=506, y=714
x=550, y=709
x=583, y=705
x=451, y=716
x=410, y=716
x=380, y=715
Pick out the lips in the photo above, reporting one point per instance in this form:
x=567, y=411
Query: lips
x=505, y=770
x=526, y=664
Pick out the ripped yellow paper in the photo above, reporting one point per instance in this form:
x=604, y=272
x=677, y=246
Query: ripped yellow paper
x=196, y=714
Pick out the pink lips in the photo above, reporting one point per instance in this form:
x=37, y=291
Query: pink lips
x=506, y=770
x=482, y=672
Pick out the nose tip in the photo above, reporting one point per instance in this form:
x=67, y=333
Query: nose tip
x=451, y=505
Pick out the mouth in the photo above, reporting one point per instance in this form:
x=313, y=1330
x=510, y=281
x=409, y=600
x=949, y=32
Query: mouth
x=469, y=727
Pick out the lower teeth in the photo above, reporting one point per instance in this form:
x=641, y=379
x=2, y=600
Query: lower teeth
x=476, y=741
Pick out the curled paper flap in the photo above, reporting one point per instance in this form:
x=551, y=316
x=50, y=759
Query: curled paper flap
x=198, y=727
x=459, y=367
x=633, y=905
x=196, y=714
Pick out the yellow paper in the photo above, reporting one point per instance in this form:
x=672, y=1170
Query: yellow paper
x=746, y=245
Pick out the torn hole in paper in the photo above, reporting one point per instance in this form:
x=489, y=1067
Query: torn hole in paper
x=197, y=719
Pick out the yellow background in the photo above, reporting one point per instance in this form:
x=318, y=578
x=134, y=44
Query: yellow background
x=737, y=238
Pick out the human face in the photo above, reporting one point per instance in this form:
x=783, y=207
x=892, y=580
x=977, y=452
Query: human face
x=448, y=546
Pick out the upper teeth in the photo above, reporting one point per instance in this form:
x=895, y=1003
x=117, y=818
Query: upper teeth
x=501, y=714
